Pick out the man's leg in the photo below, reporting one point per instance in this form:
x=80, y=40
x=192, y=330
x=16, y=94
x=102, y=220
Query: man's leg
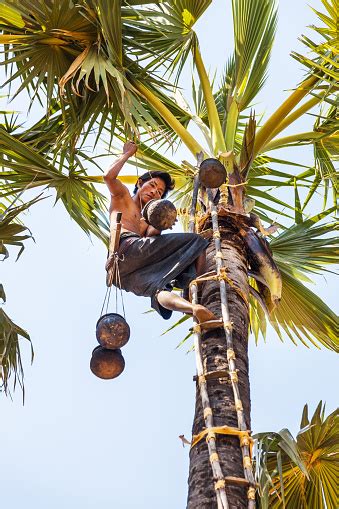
x=200, y=264
x=173, y=302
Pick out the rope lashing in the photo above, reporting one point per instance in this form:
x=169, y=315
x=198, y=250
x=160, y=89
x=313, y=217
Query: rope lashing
x=237, y=185
x=210, y=436
x=210, y=433
x=219, y=255
x=234, y=376
x=214, y=457
x=218, y=277
x=220, y=484
x=251, y=493
x=113, y=278
x=247, y=462
x=211, y=375
x=230, y=354
x=228, y=326
x=238, y=405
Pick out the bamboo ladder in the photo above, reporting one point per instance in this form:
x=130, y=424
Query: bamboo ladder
x=210, y=433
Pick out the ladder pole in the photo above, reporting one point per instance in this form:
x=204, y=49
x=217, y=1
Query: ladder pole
x=244, y=443
x=218, y=475
x=208, y=416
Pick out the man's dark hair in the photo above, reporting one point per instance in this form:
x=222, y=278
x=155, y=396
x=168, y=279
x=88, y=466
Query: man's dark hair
x=163, y=175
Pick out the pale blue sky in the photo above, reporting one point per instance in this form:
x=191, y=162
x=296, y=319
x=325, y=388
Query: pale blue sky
x=80, y=442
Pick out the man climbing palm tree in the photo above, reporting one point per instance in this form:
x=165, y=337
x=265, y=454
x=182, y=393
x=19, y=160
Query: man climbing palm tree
x=150, y=264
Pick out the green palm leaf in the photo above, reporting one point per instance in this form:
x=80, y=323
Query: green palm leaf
x=325, y=144
x=25, y=168
x=317, y=444
x=75, y=54
x=269, y=449
x=302, y=249
x=254, y=31
x=12, y=231
x=304, y=317
x=11, y=369
x=306, y=247
x=164, y=32
x=325, y=64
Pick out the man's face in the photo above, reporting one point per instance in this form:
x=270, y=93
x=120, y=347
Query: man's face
x=152, y=190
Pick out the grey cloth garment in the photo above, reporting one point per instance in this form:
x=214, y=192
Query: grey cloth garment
x=150, y=264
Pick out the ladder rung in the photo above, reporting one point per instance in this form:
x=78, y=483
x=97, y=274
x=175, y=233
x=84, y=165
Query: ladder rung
x=239, y=481
x=213, y=375
x=210, y=324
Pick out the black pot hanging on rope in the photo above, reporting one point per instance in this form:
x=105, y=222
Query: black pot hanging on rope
x=112, y=331
x=212, y=173
x=107, y=364
x=161, y=214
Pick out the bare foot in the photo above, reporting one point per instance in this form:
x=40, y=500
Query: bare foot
x=203, y=314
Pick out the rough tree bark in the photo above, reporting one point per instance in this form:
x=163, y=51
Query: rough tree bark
x=201, y=493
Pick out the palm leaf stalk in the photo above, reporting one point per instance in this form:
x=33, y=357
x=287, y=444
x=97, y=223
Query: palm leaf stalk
x=217, y=137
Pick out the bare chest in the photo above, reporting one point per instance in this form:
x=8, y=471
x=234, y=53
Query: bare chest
x=131, y=216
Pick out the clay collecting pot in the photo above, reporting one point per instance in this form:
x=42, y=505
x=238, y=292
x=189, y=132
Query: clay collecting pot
x=107, y=364
x=112, y=331
x=212, y=173
x=161, y=214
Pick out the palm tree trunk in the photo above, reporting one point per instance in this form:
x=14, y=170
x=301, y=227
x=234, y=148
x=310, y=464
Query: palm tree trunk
x=201, y=494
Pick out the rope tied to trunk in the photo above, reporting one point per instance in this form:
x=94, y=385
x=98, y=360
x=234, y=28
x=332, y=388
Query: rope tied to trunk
x=222, y=276
x=220, y=484
x=210, y=433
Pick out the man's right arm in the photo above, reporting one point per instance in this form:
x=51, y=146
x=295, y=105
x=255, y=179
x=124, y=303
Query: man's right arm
x=115, y=186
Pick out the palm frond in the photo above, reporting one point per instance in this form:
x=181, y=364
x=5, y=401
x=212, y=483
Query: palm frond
x=72, y=53
x=254, y=30
x=11, y=369
x=269, y=448
x=325, y=62
x=311, y=483
x=302, y=249
x=12, y=231
x=306, y=247
x=164, y=33
x=324, y=140
x=25, y=168
x=304, y=317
